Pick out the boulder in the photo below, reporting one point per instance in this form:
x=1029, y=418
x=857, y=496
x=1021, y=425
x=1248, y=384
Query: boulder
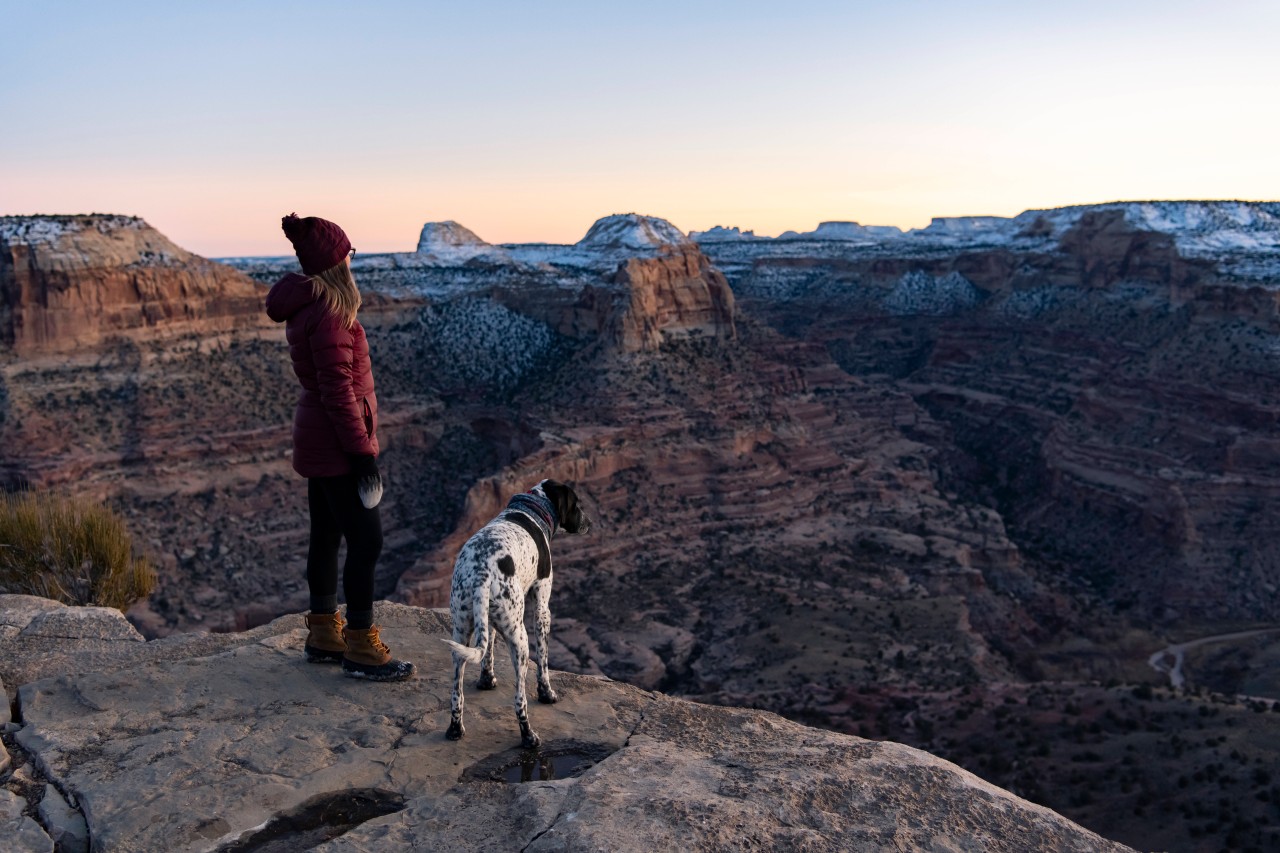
x=42, y=637
x=81, y=623
x=17, y=611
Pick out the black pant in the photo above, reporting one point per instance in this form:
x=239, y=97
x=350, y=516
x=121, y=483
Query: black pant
x=336, y=512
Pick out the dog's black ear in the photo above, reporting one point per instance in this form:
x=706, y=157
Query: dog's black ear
x=561, y=497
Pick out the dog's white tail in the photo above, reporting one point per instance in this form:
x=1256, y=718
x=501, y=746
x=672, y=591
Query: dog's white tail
x=469, y=654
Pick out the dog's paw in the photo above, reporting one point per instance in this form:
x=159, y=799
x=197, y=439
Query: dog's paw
x=455, y=732
x=530, y=740
x=487, y=681
x=546, y=695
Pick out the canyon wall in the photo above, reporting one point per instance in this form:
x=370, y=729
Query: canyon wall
x=70, y=282
x=1115, y=400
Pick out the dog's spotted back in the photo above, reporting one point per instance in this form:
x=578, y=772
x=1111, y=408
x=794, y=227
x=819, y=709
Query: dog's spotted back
x=495, y=571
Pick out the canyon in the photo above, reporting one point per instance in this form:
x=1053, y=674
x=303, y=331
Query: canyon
x=951, y=487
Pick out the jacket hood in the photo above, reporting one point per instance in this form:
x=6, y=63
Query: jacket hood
x=288, y=296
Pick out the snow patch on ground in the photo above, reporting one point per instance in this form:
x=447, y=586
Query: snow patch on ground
x=481, y=342
x=920, y=293
x=1029, y=304
x=37, y=230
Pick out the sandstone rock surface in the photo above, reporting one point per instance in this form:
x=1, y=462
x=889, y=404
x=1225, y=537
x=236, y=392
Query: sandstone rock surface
x=1107, y=384
x=212, y=748
x=65, y=825
x=67, y=282
x=44, y=637
x=21, y=834
x=676, y=294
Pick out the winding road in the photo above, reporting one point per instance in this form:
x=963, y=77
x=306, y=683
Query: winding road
x=1169, y=660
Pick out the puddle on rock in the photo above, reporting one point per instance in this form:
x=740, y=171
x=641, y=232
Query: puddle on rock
x=318, y=820
x=540, y=767
x=553, y=761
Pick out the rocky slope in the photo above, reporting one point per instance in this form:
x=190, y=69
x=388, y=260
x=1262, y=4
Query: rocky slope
x=69, y=282
x=231, y=742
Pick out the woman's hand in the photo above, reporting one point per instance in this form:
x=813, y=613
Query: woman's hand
x=368, y=481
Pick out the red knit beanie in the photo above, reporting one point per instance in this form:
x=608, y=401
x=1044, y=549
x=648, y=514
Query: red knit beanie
x=318, y=243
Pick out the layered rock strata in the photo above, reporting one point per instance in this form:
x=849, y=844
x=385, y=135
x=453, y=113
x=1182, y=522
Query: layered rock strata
x=70, y=282
x=677, y=294
x=1110, y=394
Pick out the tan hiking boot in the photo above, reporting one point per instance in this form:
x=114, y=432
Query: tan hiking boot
x=368, y=657
x=324, y=638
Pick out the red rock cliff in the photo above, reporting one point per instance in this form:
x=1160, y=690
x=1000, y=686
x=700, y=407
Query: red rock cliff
x=674, y=295
x=67, y=282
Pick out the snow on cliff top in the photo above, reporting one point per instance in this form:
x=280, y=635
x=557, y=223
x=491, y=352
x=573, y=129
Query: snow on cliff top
x=449, y=243
x=448, y=234
x=631, y=231
x=719, y=234
x=48, y=228
x=1198, y=227
x=845, y=231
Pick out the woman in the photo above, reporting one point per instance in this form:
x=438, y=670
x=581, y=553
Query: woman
x=335, y=446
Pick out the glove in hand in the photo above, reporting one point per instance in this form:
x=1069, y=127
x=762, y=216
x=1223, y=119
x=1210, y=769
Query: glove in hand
x=368, y=480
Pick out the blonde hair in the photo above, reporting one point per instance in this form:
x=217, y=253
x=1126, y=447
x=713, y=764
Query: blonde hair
x=336, y=288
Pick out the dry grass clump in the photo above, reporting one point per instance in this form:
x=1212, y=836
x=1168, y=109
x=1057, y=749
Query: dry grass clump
x=70, y=550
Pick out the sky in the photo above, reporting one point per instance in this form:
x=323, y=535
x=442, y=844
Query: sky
x=528, y=121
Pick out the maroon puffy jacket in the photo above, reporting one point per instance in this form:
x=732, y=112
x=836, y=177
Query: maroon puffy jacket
x=337, y=412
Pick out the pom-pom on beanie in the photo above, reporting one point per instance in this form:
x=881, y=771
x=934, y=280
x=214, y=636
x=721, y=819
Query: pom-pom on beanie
x=318, y=243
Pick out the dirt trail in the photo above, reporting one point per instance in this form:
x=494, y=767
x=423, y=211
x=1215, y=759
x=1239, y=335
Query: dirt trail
x=1169, y=660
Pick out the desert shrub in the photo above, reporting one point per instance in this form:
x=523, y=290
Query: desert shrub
x=70, y=550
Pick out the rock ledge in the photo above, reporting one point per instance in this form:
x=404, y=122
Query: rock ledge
x=215, y=736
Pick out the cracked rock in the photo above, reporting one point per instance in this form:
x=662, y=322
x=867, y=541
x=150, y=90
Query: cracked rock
x=65, y=825
x=81, y=623
x=21, y=834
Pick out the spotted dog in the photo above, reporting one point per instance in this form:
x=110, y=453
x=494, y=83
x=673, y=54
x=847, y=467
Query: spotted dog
x=494, y=573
